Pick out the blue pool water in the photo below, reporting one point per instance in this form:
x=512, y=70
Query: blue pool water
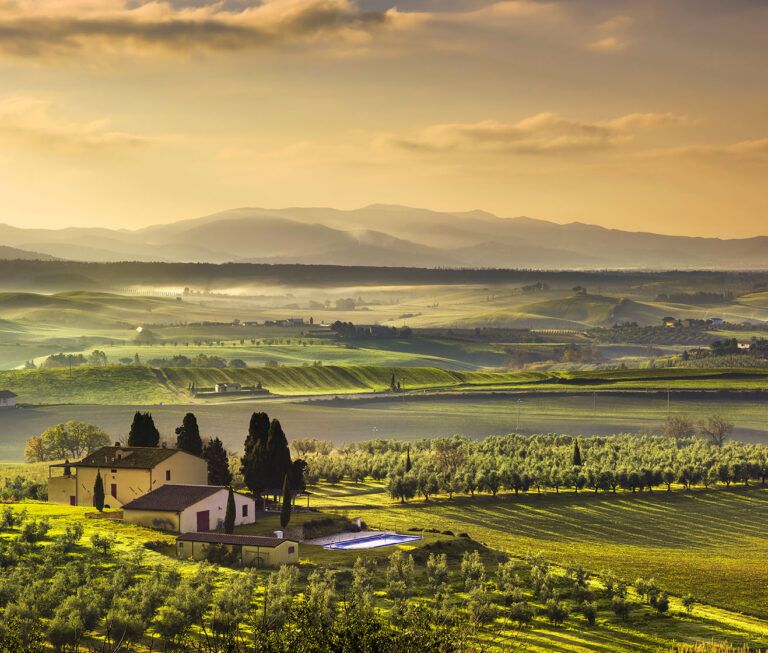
x=374, y=541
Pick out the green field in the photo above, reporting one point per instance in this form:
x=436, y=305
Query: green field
x=711, y=544
x=123, y=385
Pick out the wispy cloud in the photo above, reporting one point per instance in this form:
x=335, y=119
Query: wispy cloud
x=612, y=35
x=40, y=28
x=749, y=149
x=539, y=134
x=29, y=121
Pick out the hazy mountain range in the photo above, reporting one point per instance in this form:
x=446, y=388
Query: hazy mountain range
x=386, y=235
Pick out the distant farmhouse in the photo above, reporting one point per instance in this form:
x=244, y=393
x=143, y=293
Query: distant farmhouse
x=127, y=473
x=7, y=399
x=188, y=508
x=228, y=387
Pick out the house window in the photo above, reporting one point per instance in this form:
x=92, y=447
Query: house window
x=167, y=474
x=245, y=510
x=291, y=549
x=181, y=545
x=114, y=471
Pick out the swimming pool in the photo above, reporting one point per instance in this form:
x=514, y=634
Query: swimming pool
x=374, y=541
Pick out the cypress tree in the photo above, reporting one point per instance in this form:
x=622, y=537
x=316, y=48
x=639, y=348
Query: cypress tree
x=285, y=510
x=253, y=464
x=576, y=454
x=278, y=456
x=188, y=436
x=143, y=432
x=218, y=463
x=408, y=464
x=98, y=492
x=229, y=517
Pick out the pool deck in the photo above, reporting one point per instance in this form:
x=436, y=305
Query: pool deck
x=345, y=537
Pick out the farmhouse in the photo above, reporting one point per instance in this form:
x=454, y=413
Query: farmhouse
x=7, y=399
x=127, y=473
x=253, y=551
x=188, y=508
x=228, y=387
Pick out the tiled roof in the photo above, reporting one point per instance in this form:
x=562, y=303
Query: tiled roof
x=173, y=498
x=126, y=457
x=223, y=538
x=7, y=394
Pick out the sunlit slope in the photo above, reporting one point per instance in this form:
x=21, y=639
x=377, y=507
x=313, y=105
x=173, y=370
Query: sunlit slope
x=318, y=380
x=84, y=307
x=573, y=312
x=87, y=385
x=132, y=385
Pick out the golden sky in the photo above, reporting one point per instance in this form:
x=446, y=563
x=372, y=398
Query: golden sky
x=647, y=115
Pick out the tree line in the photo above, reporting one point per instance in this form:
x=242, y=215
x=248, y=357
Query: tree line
x=554, y=463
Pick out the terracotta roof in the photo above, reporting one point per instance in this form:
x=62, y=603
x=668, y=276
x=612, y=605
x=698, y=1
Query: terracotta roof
x=243, y=540
x=126, y=457
x=173, y=498
x=7, y=394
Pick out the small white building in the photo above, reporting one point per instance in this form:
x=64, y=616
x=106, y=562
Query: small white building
x=188, y=508
x=228, y=387
x=7, y=399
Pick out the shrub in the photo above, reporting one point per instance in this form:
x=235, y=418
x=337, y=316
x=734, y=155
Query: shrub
x=556, y=611
x=589, y=611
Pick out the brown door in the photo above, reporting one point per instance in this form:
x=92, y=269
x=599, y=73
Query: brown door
x=73, y=501
x=114, y=490
x=203, y=521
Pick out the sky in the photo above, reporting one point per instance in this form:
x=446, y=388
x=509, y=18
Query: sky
x=647, y=115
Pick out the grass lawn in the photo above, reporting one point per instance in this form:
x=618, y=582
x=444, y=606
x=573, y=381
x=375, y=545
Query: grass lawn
x=712, y=544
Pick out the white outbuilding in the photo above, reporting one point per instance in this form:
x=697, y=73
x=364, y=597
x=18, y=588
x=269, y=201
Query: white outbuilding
x=188, y=508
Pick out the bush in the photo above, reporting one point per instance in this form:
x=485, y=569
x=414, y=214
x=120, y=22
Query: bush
x=556, y=611
x=589, y=612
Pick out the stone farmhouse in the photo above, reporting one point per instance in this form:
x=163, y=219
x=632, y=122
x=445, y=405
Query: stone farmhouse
x=188, y=508
x=127, y=473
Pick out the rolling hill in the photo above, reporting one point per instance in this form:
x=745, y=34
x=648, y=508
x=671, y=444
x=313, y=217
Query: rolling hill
x=387, y=235
x=16, y=254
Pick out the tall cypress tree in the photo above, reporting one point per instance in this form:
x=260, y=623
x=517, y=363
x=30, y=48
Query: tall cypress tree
x=278, y=455
x=143, y=432
x=576, y=454
x=408, y=464
x=229, y=516
x=285, y=509
x=218, y=463
x=98, y=492
x=188, y=436
x=253, y=464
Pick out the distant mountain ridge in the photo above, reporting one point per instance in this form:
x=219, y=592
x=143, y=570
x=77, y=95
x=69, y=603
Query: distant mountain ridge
x=389, y=235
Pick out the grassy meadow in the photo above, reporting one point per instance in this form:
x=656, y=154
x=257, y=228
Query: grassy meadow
x=711, y=544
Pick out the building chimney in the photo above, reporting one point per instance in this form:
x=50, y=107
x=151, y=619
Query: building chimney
x=279, y=535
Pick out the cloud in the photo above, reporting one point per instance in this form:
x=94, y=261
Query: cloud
x=29, y=121
x=747, y=150
x=608, y=44
x=540, y=134
x=41, y=28
x=612, y=35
